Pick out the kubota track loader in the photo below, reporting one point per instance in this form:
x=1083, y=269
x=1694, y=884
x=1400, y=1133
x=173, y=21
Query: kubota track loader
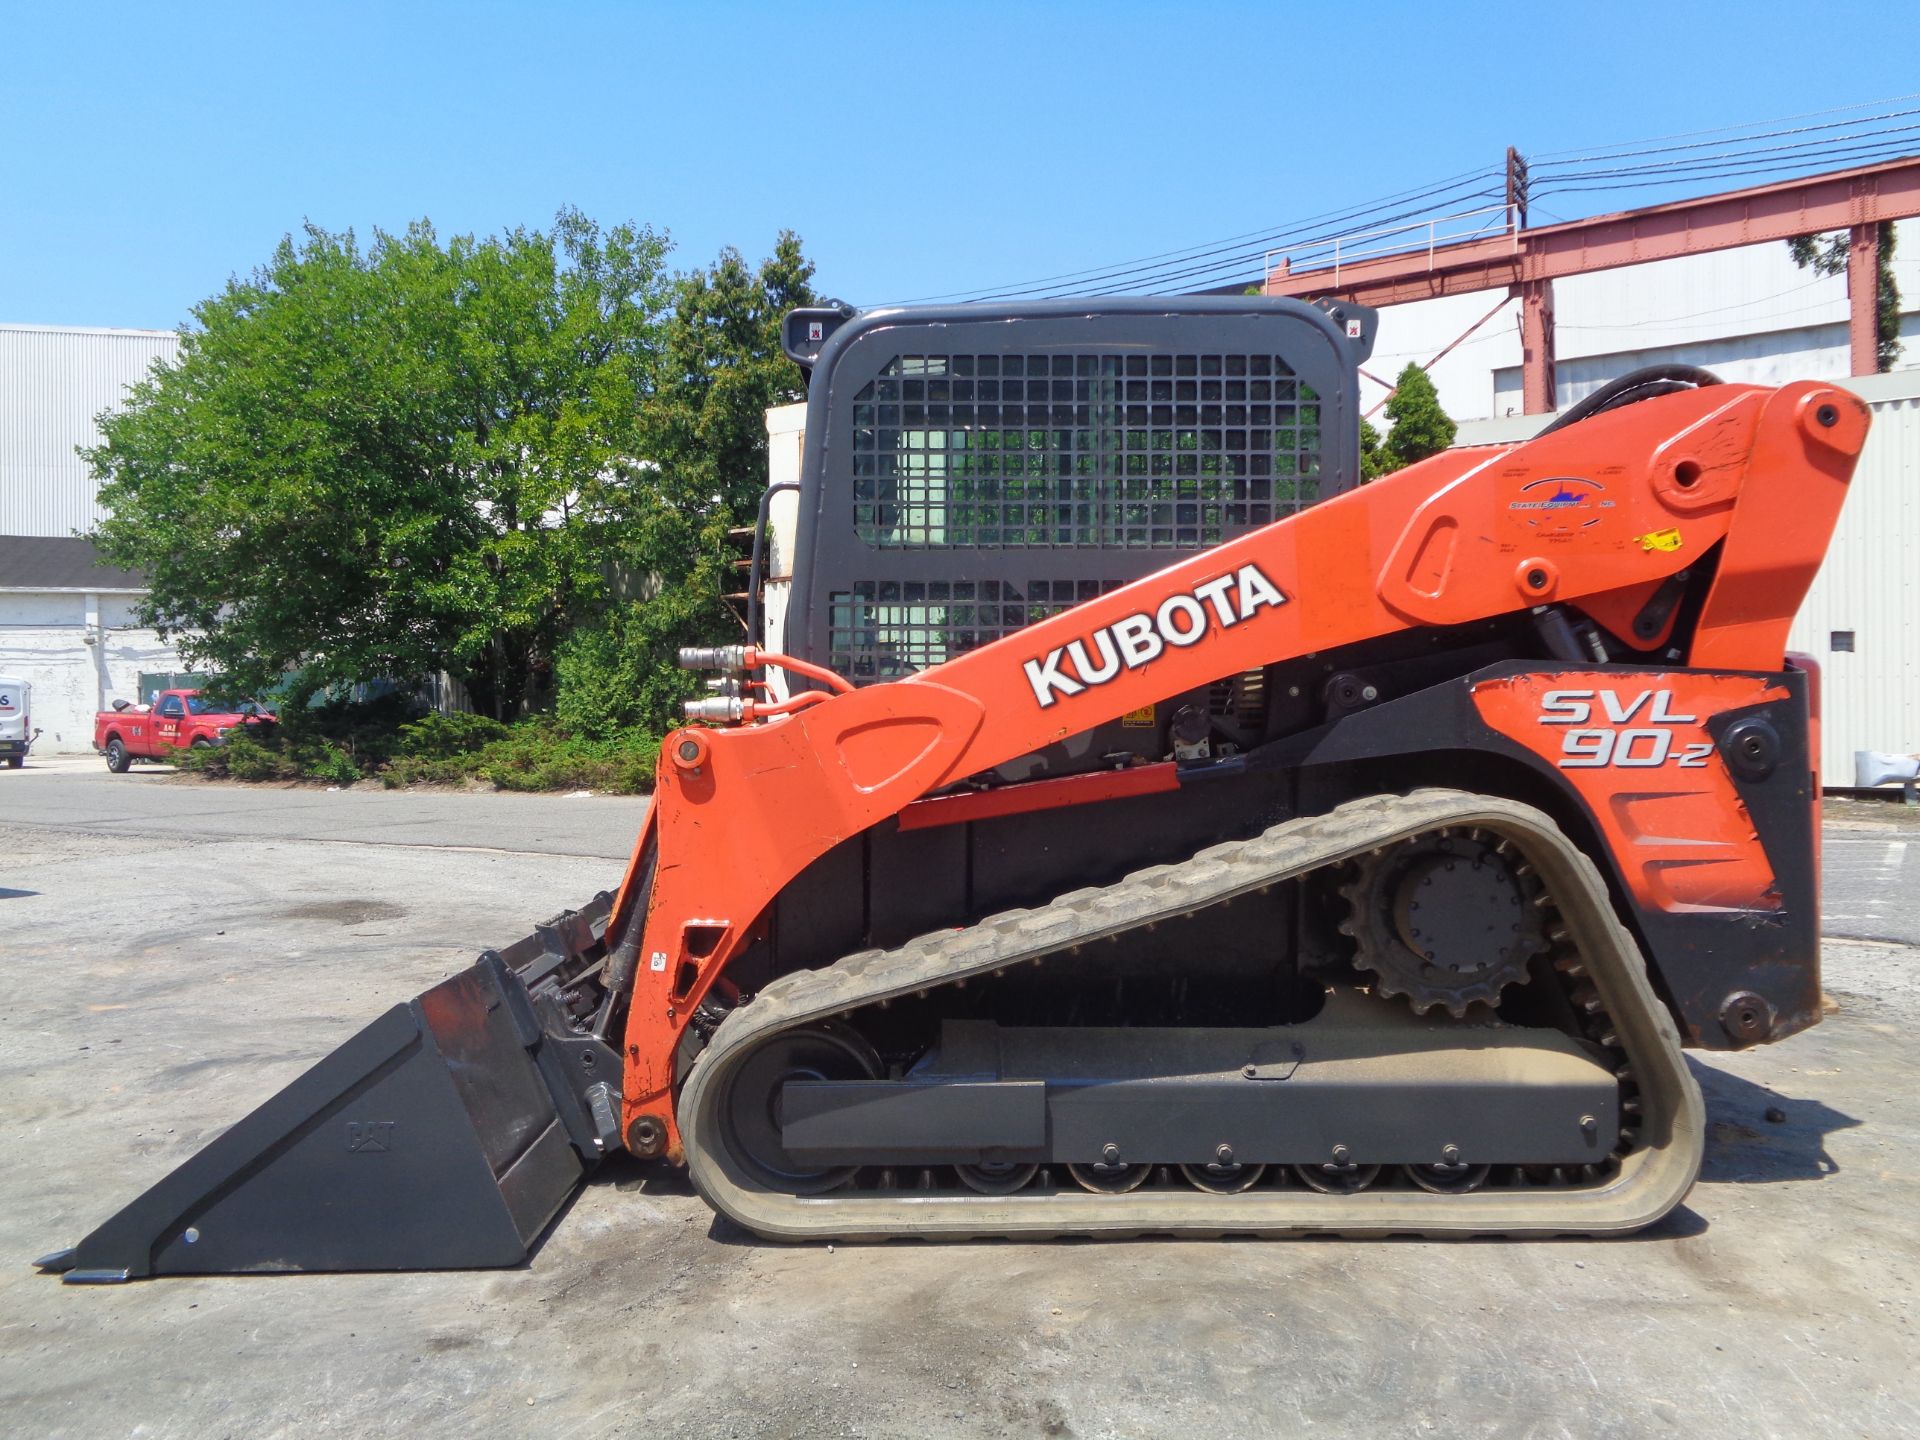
x=1143, y=827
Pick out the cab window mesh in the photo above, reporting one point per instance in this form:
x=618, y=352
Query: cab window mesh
x=991, y=451
x=884, y=629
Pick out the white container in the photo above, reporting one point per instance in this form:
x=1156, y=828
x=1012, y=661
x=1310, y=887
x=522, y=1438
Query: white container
x=16, y=715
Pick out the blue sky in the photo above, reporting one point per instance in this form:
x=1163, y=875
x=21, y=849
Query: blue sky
x=149, y=151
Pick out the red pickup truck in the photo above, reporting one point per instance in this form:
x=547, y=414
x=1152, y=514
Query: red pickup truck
x=177, y=720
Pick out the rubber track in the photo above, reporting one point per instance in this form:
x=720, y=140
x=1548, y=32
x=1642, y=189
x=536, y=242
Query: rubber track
x=1653, y=1178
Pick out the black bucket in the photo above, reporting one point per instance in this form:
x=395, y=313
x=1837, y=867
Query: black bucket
x=445, y=1135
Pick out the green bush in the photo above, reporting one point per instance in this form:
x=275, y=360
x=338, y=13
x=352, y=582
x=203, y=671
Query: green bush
x=618, y=675
x=405, y=770
x=273, y=755
x=342, y=742
x=316, y=759
x=538, y=757
x=446, y=737
x=367, y=732
x=243, y=757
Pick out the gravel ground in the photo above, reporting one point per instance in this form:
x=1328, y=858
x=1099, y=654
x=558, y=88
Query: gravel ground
x=172, y=954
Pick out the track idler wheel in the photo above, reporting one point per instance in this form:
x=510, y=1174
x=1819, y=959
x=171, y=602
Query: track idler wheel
x=754, y=1123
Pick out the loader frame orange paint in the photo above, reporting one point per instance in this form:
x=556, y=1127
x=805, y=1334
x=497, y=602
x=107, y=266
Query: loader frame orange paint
x=1595, y=515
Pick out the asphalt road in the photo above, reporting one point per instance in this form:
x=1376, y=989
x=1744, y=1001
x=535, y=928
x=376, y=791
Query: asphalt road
x=1870, y=871
x=174, y=952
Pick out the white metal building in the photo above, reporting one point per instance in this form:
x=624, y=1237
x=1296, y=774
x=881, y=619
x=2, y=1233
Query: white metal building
x=1749, y=315
x=67, y=623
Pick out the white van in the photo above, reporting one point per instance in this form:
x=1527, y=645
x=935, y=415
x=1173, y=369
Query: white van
x=16, y=715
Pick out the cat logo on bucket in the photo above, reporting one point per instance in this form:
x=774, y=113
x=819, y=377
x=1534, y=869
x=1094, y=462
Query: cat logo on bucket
x=369, y=1137
x=1138, y=639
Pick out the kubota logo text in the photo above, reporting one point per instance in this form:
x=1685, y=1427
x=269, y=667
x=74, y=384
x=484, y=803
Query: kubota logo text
x=1138, y=639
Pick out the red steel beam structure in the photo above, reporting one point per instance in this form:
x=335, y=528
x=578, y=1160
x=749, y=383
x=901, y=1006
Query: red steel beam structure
x=1527, y=262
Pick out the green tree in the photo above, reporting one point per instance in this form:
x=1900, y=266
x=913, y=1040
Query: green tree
x=1827, y=255
x=1420, y=427
x=391, y=461
x=720, y=367
x=1373, y=460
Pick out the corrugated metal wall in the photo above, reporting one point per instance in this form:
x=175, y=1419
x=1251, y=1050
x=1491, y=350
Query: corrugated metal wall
x=1779, y=358
x=1868, y=589
x=53, y=382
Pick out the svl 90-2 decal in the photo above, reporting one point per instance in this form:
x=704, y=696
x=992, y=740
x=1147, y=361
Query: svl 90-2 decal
x=1638, y=733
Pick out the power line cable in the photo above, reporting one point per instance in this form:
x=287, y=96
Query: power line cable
x=1225, y=270
x=1820, y=146
x=1729, y=144
x=1216, y=247
x=1135, y=277
x=1551, y=155
x=1884, y=151
x=1735, y=153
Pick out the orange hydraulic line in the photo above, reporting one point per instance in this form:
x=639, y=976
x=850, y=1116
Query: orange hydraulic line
x=836, y=683
x=759, y=710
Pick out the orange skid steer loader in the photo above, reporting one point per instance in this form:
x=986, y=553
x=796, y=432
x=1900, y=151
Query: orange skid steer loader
x=1118, y=819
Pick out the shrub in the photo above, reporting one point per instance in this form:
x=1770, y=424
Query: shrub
x=243, y=757
x=1420, y=427
x=367, y=732
x=323, y=760
x=443, y=737
x=340, y=743
x=618, y=675
x=405, y=770
x=538, y=757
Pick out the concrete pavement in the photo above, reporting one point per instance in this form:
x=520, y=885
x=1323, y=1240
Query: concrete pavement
x=170, y=954
x=1870, y=874
x=153, y=800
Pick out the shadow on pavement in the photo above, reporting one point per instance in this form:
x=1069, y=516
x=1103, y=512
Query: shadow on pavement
x=1745, y=1146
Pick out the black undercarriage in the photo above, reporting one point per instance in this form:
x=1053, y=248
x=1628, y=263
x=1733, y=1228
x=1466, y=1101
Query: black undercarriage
x=1274, y=1039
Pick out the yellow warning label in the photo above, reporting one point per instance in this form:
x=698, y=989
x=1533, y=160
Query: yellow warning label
x=1141, y=719
x=1660, y=540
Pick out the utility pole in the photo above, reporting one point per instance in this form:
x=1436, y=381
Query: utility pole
x=1516, y=190
x=1536, y=304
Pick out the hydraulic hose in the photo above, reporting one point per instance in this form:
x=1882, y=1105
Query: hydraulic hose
x=836, y=683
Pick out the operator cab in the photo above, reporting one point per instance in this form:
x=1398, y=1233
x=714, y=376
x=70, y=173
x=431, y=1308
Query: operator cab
x=958, y=473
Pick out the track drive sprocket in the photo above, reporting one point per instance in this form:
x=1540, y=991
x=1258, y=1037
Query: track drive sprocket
x=1447, y=919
